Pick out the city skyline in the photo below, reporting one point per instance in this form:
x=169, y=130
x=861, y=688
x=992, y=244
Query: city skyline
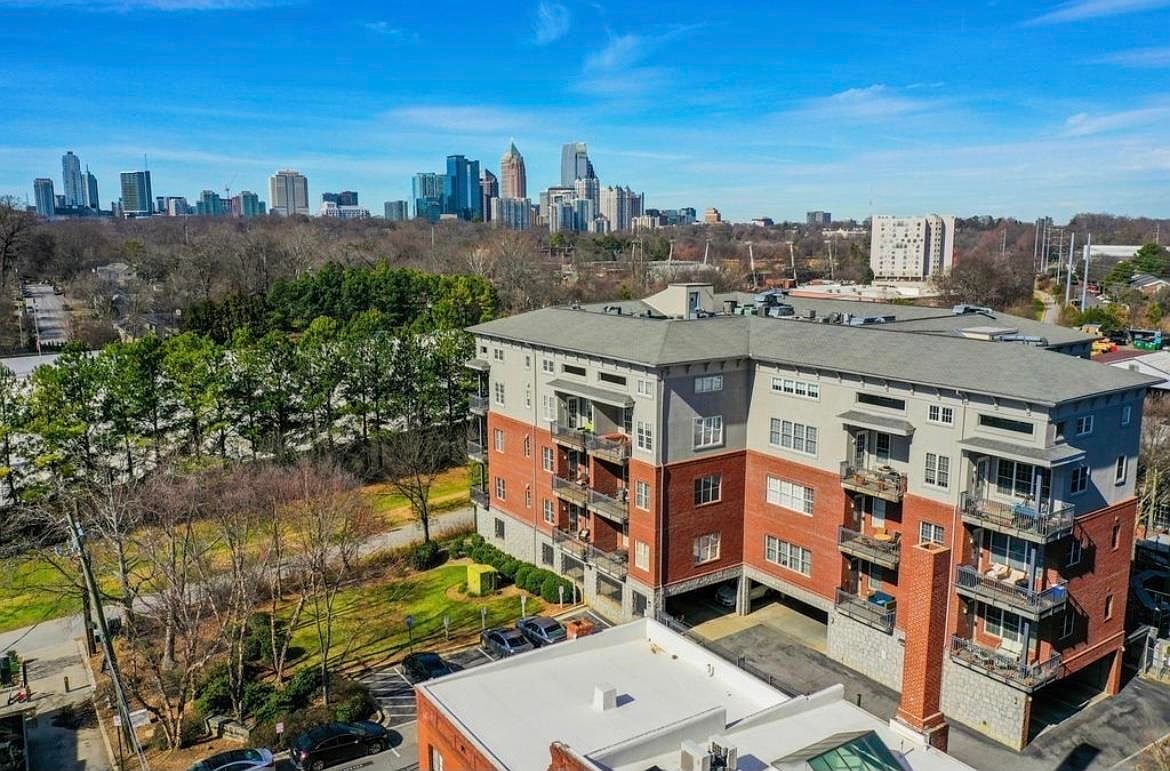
x=664, y=105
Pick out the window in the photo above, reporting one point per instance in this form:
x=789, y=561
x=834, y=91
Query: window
x=936, y=413
x=528, y=395
x=1119, y=470
x=708, y=432
x=436, y=759
x=1126, y=414
x=790, y=495
x=1078, y=481
x=550, y=512
x=1018, y=480
x=483, y=349
x=627, y=420
x=801, y=388
x=645, y=435
x=501, y=488
x=787, y=555
x=1084, y=425
x=607, y=377
x=708, y=489
x=706, y=548
x=498, y=354
x=938, y=470
x=705, y=384
x=527, y=444
x=1068, y=624
x=547, y=554
x=499, y=528
x=498, y=439
x=642, y=555
x=793, y=436
x=572, y=369
x=1108, y=606
x=527, y=497
x=1075, y=551
x=874, y=574
x=881, y=450
x=1002, y=624
x=548, y=406
x=1006, y=424
x=1007, y=550
x=1115, y=536
x=547, y=459
x=642, y=494
x=928, y=532
x=645, y=388
x=877, y=400
x=547, y=365
x=527, y=361
x=499, y=391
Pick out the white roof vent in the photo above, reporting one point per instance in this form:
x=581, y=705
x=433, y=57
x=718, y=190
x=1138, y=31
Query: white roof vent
x=694, y=757
x=604, y=697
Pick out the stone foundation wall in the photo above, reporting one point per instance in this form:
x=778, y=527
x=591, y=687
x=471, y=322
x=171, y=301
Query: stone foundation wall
x=873, y=653
x=993, y=708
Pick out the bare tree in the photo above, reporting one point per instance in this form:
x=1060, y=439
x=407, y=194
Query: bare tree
x=414, y=460
x=16, y=226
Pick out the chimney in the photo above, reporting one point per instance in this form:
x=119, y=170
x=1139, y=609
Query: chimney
x=604, y=697
x=925, y=570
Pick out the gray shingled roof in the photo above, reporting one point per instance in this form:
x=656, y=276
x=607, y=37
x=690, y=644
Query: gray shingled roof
x=882, y=352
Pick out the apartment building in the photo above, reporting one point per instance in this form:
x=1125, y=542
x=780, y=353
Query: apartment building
x=649, y=449
x=911, y=248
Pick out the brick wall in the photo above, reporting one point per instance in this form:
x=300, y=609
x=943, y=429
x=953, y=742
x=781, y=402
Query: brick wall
x=644, y=522
x=518, y=472
x=925, y=569
x=437, y=733
x=683, y=521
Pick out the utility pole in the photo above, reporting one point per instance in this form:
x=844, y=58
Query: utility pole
x=1068, y=278
x=1036, y=244
x=831, y=278
x=1003, y=242
x=1085, y=277
x=792, y=258
x=752, y=264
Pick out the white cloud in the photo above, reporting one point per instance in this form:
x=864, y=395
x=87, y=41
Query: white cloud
x=1138, y=57
x=386, y=30
x=617, y=70
x=1083, y=124
x=1081, y=10
x=552, y=22
x=471, y=120
x=872, y=103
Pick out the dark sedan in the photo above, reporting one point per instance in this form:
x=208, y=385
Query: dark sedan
x=504, y=642
x=541, y=630
x=418, y=667
x=334, y=743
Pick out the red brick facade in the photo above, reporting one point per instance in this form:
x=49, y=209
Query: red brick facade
x=925, y=570
x=436, y=734
x=685, y=520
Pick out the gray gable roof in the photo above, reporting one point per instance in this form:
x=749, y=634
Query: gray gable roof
x=880, y=352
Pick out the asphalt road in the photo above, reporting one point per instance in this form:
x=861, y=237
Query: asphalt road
x=48, y=311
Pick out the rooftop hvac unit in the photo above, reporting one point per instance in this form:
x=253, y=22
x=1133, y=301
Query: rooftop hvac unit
x=963, y=309
x=694, y=757
x=723, y=755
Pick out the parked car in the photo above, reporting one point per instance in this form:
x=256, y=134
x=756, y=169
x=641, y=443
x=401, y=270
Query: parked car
x=541, y=630
x=418, y=667
x=504, y=642
x=333, y=743
x=725, y=594
x=237, y=760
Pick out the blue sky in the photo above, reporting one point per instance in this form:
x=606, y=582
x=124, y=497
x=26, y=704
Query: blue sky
x=1020, y=108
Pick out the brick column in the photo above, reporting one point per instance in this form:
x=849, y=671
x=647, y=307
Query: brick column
x=924, y=570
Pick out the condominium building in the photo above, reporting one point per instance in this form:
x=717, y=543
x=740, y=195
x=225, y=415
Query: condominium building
x=712, y=216
x=44, y=197
x=72, y=181
x=428, y=191
x=288, y=193
x=821, y=218
x=397, y=211
x=949, y=492
x=513, y=174
x=92, y=199
x=620, y=205
x=911, y=248
x=137, y=198
x=512, y=213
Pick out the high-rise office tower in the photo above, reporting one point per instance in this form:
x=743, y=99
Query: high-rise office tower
x=513, y=175
x=288, y=190
x=347, y=198
x=72, y=184
x=428, y=191
x=589, y=188
x=575, y=164
x=46, y=200
x=822, y=218
x=397, y=211
x=462, y=188
x=137, y=199
x=512, y=213
x=91, y=191
x=251, y=205
x=489, y=188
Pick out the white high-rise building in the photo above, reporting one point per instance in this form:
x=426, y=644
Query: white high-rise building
x=72, y=183
x=511, y=213
x=620, y=205
x=288, y=192
x=911, y=248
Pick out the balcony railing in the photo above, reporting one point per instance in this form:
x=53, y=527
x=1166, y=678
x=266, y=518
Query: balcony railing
x=1005, y=594
x=476, y=452
x=613, y=508
x=477, y=404
x=1003, y=666
x=884, y=483
x=571, y=491
x=870, y=613
x=480, y=495
x=884, y=552
x=1039, y=524
x=571, y=437
x=613, y=563
x=608, y=448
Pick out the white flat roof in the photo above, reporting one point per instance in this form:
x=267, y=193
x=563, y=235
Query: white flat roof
x=669, y=690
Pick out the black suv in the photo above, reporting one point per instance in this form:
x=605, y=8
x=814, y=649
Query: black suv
x=541, y=630
x=418, y=667
x=334, y=743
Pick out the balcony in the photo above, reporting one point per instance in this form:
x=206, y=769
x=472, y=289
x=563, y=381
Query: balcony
x=871, y=548
x=569, y=437
x=480, y=496
x=880, y=617
x=612, y=563
x=1005, y=666
x=612, y=449
x=478, y=405
x=476, y=452
x=613, y=509
x=884, y=483
x=1039, y=525
x=1007, y=593
x=570, y=491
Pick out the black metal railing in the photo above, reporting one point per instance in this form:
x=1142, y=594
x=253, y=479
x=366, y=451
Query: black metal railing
x=880, y=617
x=885, y=483
x=1005, y=666
x=608, y=506
x=1019, y=597
x=574, y=437
x=475, y=451
x=571, y=491
x=1037, y=523
x=477, y=404
x=612, y=563
x=608, y=448
x=870, y=548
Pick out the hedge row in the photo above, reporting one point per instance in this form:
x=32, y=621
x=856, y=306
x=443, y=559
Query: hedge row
x=531, y=578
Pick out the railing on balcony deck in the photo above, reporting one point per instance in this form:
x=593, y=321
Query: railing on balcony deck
x=1005, y=666
x=480, y=495
x=861, y=609
x=607, y=448
x=609, y=507
x=886, y=484
x=477, y=404
x=570, y=490
x=883, y=552
x=574, y=437
x=475, y=451
x=612, y=563
x=1044, y=523
x=1021, y=599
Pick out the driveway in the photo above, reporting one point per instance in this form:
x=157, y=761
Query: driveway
x=48, y=311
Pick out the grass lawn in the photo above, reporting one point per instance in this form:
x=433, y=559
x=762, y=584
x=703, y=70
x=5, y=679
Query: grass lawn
x=449, y=490
x=371, y=619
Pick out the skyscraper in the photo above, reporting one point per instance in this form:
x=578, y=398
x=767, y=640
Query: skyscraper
x=513, y=175
x=72, y=184
x=428, y=192
x=137, y=199
x=489, y=188
x=461, y=188
x=575, y=164
x=397, y=211
x=620, y=205
x=589, y=188
x=43, y=195
x=210, y=204
x=288, y=190
x=251, y=205
x=91, y=191
x=512, y=213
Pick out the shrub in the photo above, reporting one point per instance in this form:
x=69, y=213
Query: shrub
x=425, y=556
x=351, y=701
x=479, y=554
x=258, y=640
x=303, y=686
x=535, y=580
x=509, y=567
x=256, y=694
x=213, y=694
x=522, y=574
x=476, y=540
x=550, y=589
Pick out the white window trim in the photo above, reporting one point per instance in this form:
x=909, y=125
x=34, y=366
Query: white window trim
x=1072, y=478
x=812, y=390
x=639, y=486
x=808, y=495
x=1126, y=414
x=937, y=466
x=939, y=421
x=700, y=427
x=1121, y=470
x=1088, y=423
x=641, y=555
